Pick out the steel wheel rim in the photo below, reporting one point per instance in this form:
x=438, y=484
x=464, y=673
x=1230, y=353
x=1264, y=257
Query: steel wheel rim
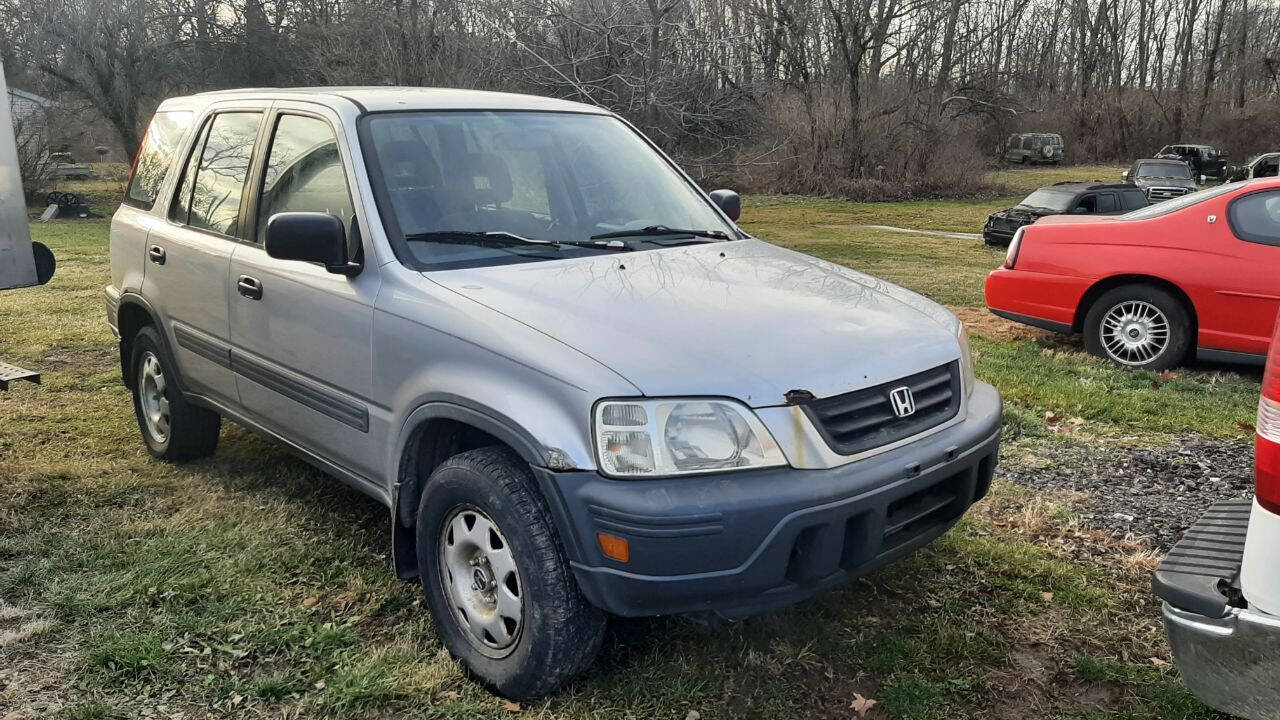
x=481, y=582
x=151, y=393
x=1134, y=332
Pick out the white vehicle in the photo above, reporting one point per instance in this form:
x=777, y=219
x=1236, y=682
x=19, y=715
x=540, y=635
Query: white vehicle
x=1221, y=584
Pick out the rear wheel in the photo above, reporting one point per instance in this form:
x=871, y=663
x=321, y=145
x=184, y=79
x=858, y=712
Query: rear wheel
x=172, y=428
x=505, y=602
x=1139, y=326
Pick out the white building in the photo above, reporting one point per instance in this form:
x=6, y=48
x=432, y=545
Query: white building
x=29, y=113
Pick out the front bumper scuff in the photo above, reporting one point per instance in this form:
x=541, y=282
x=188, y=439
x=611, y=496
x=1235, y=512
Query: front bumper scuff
x=743, y=543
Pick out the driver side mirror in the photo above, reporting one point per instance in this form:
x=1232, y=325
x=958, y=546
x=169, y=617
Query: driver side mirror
x=1080, y=210
x=310, y=237
x=1125, y=176
x=729, y=202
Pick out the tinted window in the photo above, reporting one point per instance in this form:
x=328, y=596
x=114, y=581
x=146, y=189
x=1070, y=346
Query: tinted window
x=304, y=172
x=180, y=209
x=1088, y=202
x=1047, y=199
x=211, y=189
x=1106, y=202
x=155, y=156
x=1164, y=170
x=1256, y=217
x=1133, y=199
x=1268, y=168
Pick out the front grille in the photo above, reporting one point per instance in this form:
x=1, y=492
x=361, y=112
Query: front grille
x=1165, y=193
x=865, y=419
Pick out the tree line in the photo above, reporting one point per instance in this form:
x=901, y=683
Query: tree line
x=854, y=97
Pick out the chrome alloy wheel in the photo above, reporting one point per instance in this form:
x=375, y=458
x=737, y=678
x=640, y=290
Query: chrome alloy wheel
x=1134, y=332
x=480, y=578
x=155, y=406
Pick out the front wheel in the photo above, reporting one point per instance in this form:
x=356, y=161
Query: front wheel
x=496, y=578
x=1140, y=327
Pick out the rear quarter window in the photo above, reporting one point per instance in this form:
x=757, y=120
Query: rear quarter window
x=155, y=157
x=1256, y=217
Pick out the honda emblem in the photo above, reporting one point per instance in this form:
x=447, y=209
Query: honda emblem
x=902, y=401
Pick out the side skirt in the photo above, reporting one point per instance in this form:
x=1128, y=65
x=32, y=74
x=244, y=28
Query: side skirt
x=1230, y=356
x=358, y=482
x=1050, y=325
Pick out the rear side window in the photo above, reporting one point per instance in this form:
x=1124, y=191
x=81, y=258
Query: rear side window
x=213, y=182
x=1133, y=199
x=155, y=155
x=1256, y=217
x=304, y=172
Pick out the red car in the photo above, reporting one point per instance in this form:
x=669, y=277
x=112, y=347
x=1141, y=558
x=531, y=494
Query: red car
x=1198, y=274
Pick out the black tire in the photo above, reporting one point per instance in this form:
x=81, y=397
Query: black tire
x=560, y=632
x=1176, y=316
x=192, y=431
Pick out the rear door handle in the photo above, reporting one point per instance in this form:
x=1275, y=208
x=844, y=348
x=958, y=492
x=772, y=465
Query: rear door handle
x=249, y=287
x=156, y=253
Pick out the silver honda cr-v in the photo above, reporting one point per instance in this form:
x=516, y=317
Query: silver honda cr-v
x=577, y=385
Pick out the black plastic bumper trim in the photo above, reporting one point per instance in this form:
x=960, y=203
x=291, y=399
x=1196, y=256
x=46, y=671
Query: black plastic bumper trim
x=1206, y=558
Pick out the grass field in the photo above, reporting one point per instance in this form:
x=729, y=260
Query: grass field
x=250, y=585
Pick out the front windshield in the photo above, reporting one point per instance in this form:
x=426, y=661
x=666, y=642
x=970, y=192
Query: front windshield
x=470, y=188
x=1055, y=200
x=1178, y=203
x=1164, y=170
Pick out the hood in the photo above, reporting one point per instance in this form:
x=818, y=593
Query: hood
x=1020, y=214
x=743, y=319
x=1164, y=182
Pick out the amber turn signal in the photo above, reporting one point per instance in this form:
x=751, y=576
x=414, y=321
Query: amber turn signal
x=614, y=547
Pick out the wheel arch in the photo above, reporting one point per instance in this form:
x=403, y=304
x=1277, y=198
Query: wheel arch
x=1102, y=286
x=431, y=434
x=132, y=315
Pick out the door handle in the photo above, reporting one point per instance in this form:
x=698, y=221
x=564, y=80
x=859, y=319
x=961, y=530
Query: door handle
x=249, y=287
x=156, y=253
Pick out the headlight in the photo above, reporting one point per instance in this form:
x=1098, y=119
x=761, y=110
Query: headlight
x=637, y=438
x=966, y=358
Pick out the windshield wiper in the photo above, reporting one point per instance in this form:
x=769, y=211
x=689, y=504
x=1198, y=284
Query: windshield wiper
x=653, y=230
x=503, y=239
x=473, y=237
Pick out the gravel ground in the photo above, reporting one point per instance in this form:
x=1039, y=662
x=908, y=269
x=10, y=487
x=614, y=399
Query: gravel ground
x=1152, y=492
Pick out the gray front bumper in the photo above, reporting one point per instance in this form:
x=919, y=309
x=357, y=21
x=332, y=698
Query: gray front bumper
x=1233, y=663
